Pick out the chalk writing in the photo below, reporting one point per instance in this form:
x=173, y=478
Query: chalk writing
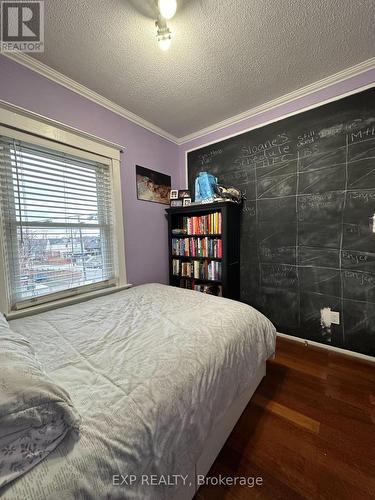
x=330, y=131
x=269, y=158
x=249, y=210
x=362, y=134
x=206, y=158
x=317, y=200
x=310, y=151
x=279, y=276
x=354, y=258
x=362, y=279
x=278, y=141
x=276, y=252
x=306, y=138
x=365, y=196
x=308, y=225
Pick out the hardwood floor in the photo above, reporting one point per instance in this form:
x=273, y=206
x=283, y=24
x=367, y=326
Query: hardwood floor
x=309, y=431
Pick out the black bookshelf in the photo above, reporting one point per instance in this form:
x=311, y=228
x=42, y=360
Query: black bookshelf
x=229, y=282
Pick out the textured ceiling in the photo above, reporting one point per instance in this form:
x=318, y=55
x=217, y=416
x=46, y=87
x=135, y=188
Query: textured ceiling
x=227, y=56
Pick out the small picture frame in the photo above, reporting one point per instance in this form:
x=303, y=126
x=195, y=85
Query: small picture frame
x=184, y=193
x=173, y=195
x=186, y=202
x=176, y=203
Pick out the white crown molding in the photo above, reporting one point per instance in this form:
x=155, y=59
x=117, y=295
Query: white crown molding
x=80, y=89
x=284, y=99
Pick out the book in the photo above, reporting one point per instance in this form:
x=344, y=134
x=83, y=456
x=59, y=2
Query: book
x=202, y=270
x=184, y=283
x=197, y=247
x=176, y=267
x=202, y=224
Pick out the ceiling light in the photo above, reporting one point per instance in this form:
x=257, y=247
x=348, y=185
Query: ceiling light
x=163, y=34
x=167, y=8
x=165, y=43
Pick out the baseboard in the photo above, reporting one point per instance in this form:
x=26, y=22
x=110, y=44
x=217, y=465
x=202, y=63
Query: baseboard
x=345, y=352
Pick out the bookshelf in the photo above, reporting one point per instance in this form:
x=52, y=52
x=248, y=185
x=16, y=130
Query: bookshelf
x=204, y=248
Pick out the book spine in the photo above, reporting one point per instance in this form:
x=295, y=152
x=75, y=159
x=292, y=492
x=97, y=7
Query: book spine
x=196, y=269
x=176, y=267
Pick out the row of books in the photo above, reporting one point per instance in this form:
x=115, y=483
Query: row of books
x=200, y=270
x=185, y=283
x=197, y=247
x=211, y=289
x=202, y=224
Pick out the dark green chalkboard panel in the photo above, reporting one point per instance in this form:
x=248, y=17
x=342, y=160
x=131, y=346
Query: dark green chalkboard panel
x=308, y=227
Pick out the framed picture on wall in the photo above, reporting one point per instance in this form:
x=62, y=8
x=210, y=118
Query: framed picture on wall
x=152, y=186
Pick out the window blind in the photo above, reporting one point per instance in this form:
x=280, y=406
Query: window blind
x=57, y=221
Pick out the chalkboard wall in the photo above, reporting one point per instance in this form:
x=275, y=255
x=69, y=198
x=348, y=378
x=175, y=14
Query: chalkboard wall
x=308, y=223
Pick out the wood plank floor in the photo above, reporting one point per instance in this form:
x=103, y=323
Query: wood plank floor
x=309, y=431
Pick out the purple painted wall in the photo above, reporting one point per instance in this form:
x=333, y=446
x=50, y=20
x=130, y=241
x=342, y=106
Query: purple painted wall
x=145, y=224
x=313, y=99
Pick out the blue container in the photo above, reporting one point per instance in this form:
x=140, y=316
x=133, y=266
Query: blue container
x=205, y=186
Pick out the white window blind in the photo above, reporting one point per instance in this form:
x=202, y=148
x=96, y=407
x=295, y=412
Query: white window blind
x=56, y=213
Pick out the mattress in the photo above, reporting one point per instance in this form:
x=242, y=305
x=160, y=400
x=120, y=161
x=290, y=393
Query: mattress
x=150, y=369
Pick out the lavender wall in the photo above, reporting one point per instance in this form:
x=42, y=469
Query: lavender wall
x=145, y=225
x=313, y=99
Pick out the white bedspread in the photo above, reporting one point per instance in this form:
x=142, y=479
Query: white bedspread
x=149, y=369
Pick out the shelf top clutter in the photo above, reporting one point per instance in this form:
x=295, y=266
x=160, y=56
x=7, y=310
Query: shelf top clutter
x=200, y=207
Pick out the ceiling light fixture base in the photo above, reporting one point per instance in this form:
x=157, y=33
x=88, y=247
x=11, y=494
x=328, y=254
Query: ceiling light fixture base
x=164, y=35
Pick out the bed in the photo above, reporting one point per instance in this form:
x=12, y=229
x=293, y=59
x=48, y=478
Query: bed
x=159, y=376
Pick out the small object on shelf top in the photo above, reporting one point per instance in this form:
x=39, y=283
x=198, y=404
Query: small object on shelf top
x=194, y=206
x=184, y=193
x=176, y=203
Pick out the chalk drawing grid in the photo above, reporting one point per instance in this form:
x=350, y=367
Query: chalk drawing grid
x=330, y=181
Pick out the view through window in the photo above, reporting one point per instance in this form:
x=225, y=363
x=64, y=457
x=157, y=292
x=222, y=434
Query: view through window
x=58, y=220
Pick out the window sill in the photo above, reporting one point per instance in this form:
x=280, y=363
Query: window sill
x=48, y=306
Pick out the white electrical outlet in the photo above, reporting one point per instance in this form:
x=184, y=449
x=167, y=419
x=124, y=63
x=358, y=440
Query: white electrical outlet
x=335, y=317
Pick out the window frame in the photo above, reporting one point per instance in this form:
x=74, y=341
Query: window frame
x=45, y=133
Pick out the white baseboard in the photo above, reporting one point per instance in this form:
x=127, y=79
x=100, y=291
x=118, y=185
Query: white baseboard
x=345, y=352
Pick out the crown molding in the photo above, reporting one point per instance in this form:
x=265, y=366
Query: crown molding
x=80, y=89
x=69, y=83
x=284, y=99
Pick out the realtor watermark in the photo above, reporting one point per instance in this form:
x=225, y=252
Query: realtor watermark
x=150, y=479
x=22, y=26
x=126, y=480
x=220, y=480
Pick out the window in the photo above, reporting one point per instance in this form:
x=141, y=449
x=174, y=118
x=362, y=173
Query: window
x=57, y=219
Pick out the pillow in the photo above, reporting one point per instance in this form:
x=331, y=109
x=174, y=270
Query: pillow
x=35, y=413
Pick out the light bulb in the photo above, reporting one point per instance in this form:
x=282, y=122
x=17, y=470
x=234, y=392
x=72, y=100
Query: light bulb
x=164, y=43
x=167, y=8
